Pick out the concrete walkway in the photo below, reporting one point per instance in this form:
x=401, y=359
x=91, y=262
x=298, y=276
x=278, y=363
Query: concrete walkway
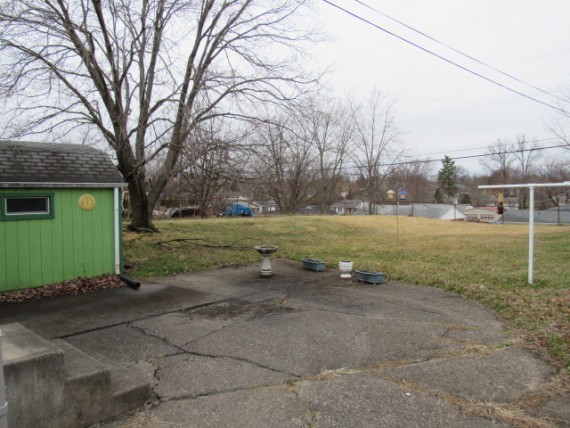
x=306, y=349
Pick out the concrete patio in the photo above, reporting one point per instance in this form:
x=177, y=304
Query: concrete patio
x=226, y=348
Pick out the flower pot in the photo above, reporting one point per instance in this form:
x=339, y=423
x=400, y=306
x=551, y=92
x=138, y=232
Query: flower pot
x=345, y=269
x=314, y=264
x=370, y=277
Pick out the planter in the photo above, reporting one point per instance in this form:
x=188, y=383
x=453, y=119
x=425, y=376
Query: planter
x=345, y=269
x=370, y=277
x=314, y=264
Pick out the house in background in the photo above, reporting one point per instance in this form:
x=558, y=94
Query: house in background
x=350, y=207
x=269, y=207
x=482, y=214
x=60, y=214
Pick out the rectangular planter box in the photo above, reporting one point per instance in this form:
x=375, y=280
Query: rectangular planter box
x=314, y=264
x=370, y=277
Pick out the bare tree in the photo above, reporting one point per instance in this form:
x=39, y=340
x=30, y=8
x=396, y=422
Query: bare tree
x=329, y=127
x=284, y=163
x=526, y=155
x=414, y=177
x=559, y=130
x=375, y=153
x=207, y=166
x=556, y=170
x=499, y=159
x=143, y=74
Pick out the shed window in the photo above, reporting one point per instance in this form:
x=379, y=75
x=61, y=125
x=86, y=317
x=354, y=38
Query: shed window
x=26, y=207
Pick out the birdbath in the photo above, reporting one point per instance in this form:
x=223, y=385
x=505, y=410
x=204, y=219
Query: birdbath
x=266, y=251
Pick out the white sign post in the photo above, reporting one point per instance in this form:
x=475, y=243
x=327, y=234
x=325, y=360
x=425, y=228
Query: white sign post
x=530, y=188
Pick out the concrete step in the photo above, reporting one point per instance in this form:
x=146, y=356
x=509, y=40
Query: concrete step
x=54, y=384
x=87, y=386
x=131, y=387
x=98, y=388
x=34, y=373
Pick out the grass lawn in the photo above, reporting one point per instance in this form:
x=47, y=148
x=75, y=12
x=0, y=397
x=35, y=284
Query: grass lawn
x=482, y=261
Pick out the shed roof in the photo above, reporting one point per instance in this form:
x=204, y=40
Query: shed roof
x=26, y=164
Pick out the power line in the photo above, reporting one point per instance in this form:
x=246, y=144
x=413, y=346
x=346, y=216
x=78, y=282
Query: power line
x=251, y=175
x=460, y=52
x=447, y=152
x=481, y=155
x=445, y=59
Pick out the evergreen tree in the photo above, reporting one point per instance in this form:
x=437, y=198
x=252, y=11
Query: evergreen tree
x=438, y=196
x=447, y=177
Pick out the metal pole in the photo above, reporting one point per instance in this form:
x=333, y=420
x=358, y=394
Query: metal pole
x=531, y=187
x=531, y=236
x=397, y=228
x=3, y=403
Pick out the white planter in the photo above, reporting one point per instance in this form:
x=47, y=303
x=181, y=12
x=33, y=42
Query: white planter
x=345, y=269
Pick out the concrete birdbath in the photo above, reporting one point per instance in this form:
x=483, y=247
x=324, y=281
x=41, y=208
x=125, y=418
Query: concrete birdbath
x=266, y=251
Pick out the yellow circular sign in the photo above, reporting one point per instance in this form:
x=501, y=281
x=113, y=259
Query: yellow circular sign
x=87, y=202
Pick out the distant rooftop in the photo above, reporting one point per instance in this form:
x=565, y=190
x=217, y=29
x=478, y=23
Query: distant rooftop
x=56, y=165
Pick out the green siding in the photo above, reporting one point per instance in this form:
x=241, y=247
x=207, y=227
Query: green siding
x=75, y=243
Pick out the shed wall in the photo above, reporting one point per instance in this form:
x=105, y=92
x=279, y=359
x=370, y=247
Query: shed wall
x=75, y=243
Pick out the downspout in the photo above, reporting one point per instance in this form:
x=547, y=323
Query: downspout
x=117, y=231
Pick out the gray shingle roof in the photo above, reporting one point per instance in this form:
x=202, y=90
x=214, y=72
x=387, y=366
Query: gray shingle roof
x=63, y=165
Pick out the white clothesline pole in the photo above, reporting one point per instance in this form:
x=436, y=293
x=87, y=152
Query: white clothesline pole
x=530, y=187
x=531, y=236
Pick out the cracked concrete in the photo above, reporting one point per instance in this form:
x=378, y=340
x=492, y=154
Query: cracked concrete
x=306, y=349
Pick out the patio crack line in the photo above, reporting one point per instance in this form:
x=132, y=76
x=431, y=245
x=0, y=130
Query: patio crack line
x=219, y=392
x=313, y=414
x=509, y=413
x=163, y=339
x=244, y=360
x=130, y=321
x=186, y=352
x=446, y=325
x=251, y=318
x=226, y=326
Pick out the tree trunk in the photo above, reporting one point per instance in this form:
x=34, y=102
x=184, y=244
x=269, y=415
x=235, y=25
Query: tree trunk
x=141, y=212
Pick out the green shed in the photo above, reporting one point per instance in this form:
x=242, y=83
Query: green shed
x=60, y=214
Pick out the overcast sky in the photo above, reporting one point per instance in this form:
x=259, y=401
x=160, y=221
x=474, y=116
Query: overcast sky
x=441, y=109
